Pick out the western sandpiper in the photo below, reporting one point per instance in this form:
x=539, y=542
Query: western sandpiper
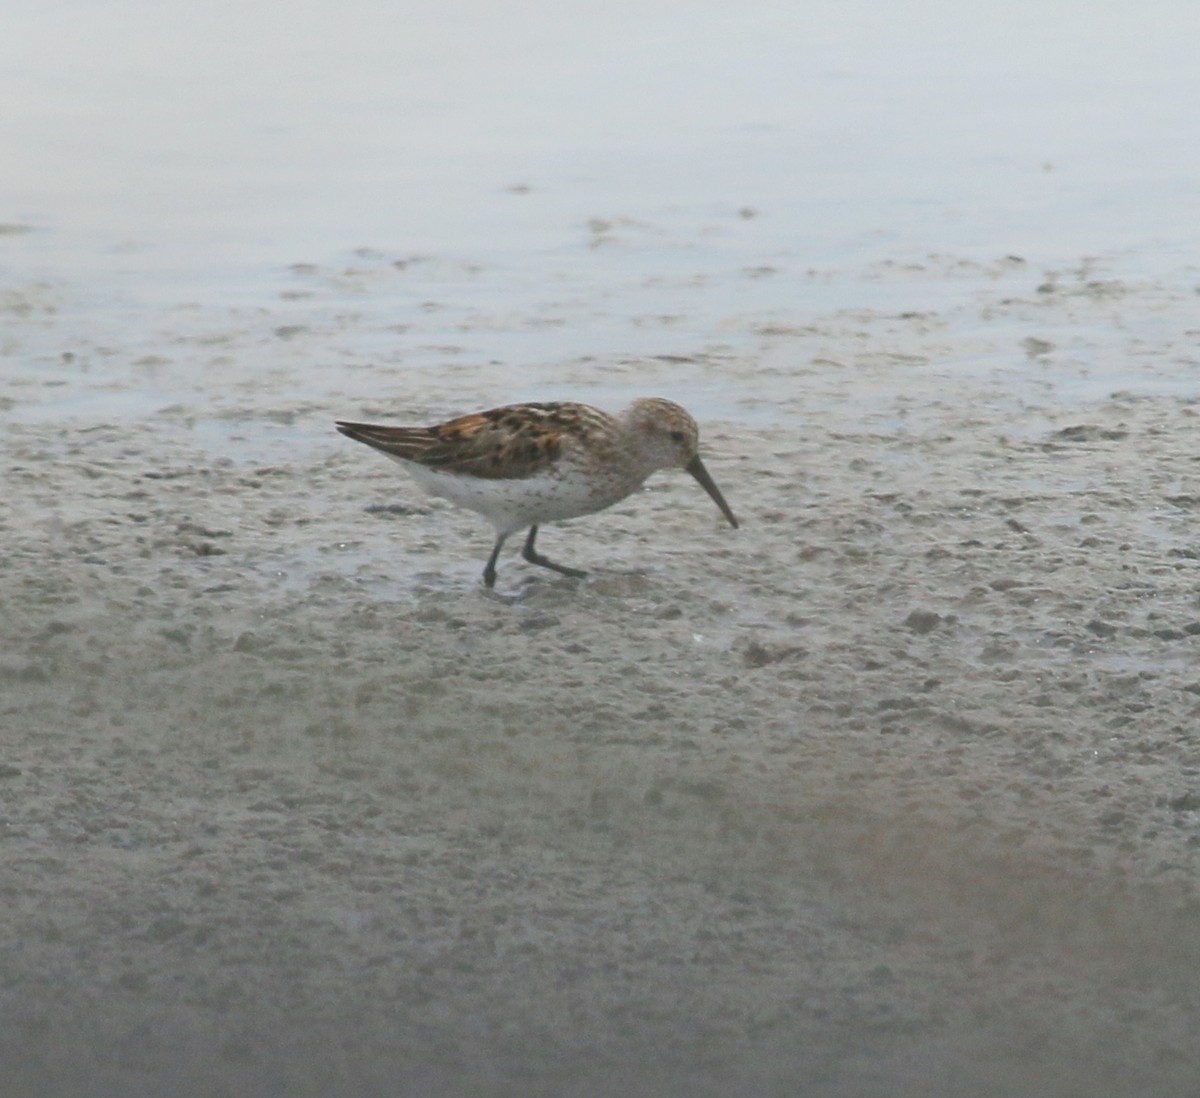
x=526, y=464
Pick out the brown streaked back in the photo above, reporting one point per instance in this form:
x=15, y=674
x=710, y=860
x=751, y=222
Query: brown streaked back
x=509, y=443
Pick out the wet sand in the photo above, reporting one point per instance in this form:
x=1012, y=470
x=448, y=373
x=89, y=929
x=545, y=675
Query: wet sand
x=895, y=790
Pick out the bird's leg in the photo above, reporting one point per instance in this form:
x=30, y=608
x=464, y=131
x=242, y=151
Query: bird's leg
x=489, y=570
x=534, y=557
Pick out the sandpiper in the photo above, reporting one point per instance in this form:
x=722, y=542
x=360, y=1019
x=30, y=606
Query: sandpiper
x=525, y=464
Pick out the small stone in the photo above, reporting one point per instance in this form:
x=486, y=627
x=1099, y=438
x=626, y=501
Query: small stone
x=760, y=655
x=922, y=621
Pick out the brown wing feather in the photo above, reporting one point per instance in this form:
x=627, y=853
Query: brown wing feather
x=500, y=444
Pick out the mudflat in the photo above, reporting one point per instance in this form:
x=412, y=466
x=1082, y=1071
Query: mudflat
x=894, y=790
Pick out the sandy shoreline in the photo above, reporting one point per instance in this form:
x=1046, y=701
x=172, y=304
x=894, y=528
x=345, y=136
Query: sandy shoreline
x=894, y=790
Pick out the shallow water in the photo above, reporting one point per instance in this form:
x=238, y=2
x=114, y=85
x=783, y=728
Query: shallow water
x=675, y=178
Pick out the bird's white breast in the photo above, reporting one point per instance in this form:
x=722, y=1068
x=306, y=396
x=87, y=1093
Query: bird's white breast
x=511, y=505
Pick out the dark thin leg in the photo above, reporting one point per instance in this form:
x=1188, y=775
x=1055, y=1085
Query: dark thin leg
x=534, y=557
x=489, y=570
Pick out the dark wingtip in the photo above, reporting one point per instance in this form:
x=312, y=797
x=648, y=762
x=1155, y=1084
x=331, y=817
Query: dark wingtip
x=350, y=430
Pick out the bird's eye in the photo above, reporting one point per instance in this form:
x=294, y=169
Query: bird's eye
x=676, y=436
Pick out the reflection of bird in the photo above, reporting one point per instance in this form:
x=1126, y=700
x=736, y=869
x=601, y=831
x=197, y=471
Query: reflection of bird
x=526, y=464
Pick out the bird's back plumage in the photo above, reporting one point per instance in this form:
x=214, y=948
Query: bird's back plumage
x=509, y=443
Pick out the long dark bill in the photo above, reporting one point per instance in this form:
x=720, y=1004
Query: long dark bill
x=696, y=468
